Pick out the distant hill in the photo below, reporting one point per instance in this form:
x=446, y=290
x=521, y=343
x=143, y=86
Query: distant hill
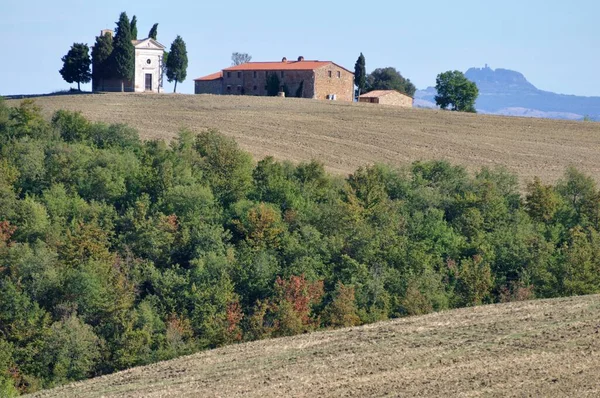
x=507, y=92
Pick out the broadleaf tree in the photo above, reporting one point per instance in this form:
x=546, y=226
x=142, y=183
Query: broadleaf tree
x=123, y=55
x=76, y=65
x=177, y=62
x=456, y=91
x=101, y=54
x=390, y=79
x=360, y=74
x=240, y=58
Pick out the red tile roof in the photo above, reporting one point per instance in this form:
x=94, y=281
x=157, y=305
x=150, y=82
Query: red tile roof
x=214, y=76
x=283, y=65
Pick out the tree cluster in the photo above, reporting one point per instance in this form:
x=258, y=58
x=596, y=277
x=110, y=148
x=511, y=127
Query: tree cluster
x=116, y=252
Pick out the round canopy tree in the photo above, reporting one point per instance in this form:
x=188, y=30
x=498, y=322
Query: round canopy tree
x=76, y=65
x=390, y=79
x=454, y=90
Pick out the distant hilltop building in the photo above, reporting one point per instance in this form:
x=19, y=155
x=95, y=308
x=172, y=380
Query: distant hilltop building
x=148, y=68
x=387, y=97
x=301, y=78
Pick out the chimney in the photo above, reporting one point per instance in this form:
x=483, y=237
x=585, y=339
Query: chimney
x=300, y=58
x=108, y=32
x=284, y=59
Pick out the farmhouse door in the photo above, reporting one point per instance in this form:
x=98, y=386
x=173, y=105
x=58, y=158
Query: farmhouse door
x=148, y=81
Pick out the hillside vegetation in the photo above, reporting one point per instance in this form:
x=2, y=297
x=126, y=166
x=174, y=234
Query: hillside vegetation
x=346, y=136
x=546, y=348
x=116, y=252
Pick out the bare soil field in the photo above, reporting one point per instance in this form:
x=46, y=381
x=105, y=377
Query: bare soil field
x=547, y=348
x=345, y=136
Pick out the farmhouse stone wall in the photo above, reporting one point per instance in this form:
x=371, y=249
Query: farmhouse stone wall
x=334, y=80
x=321, y=83
x=208, y=86
x=251, y=82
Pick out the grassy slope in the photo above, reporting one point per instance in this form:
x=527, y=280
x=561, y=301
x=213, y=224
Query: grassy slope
x=345, y=136
x=537, y=348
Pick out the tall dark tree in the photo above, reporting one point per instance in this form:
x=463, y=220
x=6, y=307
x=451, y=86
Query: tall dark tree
x=390, y=79
x=101, y=53
x=455, y=90
x=240, y=58
x=123, y=55
x=76, y=65
x=273, y=84
x=134, y=30
x=360, y=74
x=153, y=31
x=177, y=62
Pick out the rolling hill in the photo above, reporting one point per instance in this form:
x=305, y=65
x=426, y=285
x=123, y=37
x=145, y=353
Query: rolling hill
x=345, y=136
x=539, y=348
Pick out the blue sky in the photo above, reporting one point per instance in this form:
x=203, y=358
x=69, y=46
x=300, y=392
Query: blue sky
x=556, y=44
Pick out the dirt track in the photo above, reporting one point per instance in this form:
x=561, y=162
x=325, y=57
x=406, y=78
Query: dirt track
x=345, y=136
x=547, y=348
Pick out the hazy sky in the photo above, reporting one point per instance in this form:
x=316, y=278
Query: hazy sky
x=555, y=44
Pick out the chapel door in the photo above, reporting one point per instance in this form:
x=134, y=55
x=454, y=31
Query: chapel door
x=148, y=81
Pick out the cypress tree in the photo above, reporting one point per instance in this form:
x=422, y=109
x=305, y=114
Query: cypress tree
x=76, y=65
x=123, y=55
x=177, y=62
x=360, y=74
x=153, y=31
x=101, y=54
x=134, y=31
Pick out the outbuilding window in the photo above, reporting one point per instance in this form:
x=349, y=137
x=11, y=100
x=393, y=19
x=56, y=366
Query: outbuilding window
x=330, y=73
x=339, y=74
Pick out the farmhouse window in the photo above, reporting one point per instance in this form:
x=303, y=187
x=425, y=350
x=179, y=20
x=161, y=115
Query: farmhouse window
x=255, y=88
x=228, y=74
x=239, y=88
x=228, y=89
x=255, y=74
x=330, y=74
x=239, y=74
x=281, y=73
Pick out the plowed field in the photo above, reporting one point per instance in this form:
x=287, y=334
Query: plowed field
x=345, y=136
x=547, y=348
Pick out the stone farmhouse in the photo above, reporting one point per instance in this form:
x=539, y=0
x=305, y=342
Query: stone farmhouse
x=301, y=78
x=387, y=97
x=148, y=73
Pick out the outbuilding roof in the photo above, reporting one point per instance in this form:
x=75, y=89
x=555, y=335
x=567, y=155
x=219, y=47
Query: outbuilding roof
x=380, y=93
x=213, y=76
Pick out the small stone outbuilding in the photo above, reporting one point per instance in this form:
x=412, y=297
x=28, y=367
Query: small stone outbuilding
x=387, y=97
x=301, y=78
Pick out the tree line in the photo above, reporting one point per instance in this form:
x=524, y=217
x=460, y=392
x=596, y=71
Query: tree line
x=454, y=90
x=116, y=252
x=114, y=58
